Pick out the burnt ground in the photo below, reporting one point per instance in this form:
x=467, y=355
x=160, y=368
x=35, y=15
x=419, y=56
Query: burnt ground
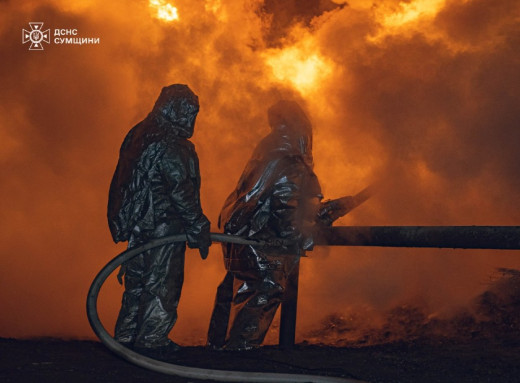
x=478, y=344
x=476, y=360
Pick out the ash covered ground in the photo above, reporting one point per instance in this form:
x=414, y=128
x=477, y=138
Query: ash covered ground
x=479, y=344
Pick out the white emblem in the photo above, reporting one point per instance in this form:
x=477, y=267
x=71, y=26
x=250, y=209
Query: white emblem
x=36, y=36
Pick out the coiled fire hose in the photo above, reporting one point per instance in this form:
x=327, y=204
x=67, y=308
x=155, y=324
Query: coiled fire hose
x=174, y=369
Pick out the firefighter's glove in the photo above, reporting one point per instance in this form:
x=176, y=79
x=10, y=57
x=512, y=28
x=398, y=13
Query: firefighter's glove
x=200, y=238
x=204, y=251
x=331, y=210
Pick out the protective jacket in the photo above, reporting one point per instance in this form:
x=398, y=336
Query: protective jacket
x=278, y=194
x=157, y=177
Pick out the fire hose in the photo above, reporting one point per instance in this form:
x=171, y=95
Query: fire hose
x=175, y=369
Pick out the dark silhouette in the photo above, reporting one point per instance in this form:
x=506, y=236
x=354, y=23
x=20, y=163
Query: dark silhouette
x=277, y=196
x=155, y=193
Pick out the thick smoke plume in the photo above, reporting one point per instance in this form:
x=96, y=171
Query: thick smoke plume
x=423, y=94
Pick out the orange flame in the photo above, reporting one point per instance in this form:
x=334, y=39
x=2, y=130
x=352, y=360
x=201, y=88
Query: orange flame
x=163, y=10
x=300, y=67
x=412, y=11
x=406, y=17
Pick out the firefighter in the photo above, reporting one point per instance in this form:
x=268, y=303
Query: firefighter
x=277, y=196
x=155, y=193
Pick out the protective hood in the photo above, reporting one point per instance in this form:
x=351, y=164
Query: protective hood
x=292, y=129
x=176, y=110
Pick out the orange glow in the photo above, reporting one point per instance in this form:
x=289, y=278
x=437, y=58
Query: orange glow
x=413, y=11
x=440, y=123
x=302, y=68
x=215, y=7
x=408, y=16
x=163, y=10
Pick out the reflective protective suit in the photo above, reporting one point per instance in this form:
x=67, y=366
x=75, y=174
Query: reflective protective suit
x=155, y=193
x=277, y=196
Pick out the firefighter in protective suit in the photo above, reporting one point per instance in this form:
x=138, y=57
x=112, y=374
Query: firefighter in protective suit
x=155, y=193
x=277, y=196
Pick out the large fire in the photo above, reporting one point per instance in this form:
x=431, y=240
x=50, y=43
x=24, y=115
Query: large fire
x=388, y=95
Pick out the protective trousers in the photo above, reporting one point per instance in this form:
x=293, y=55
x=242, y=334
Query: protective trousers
x=153, y=284
x=218, y=323
x=246, y=302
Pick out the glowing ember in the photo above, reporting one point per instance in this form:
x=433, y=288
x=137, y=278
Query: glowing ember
x=302, y=69
x=164, y=11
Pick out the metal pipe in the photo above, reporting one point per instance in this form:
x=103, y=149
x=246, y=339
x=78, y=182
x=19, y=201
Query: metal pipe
x=455, y=237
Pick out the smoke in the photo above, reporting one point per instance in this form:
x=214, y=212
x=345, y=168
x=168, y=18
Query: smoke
x=437, y=102
x=491, y=315
x=422, y=93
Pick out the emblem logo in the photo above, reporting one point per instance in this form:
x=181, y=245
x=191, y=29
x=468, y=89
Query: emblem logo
x=36, y=36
